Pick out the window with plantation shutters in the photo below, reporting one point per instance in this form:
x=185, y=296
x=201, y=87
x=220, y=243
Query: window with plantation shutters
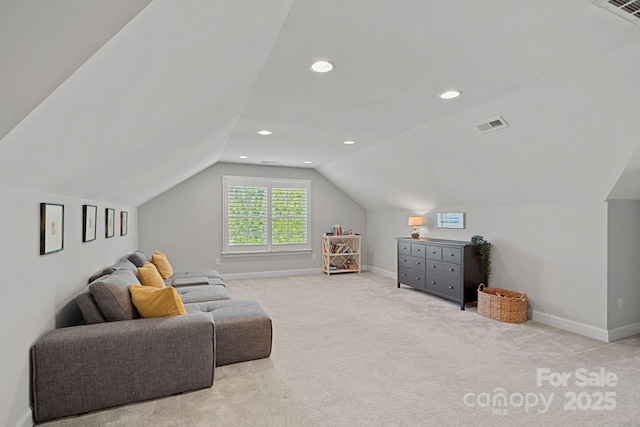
x=265, y=214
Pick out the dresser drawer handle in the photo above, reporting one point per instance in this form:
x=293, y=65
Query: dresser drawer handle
x=417, y=278
x=433, y=266
x=404, y=260
x=451, y=269
x=450, y=287
x=404, y=274
x=418, y=250
x=452, y=254
x=433, y=283
x=434, y=252
x=417, y=262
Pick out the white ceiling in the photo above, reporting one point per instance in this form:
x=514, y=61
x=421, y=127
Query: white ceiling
x=187, y=84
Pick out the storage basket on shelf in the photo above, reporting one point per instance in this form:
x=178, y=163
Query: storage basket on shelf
x=502, y=304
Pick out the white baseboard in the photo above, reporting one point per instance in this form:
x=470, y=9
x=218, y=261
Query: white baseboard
x=624, y=332
x=277, y=273
x=386, y=273
x=26, y=420
x=571, y=326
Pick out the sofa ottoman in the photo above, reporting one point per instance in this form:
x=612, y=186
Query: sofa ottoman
x=243, y=329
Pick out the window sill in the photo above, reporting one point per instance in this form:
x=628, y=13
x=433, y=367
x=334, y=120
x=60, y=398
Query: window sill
x=264, y=253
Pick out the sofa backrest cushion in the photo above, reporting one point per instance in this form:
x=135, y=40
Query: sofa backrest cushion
x=112, y=295
x=102, y=272
x=125, y=264
x=89, y=309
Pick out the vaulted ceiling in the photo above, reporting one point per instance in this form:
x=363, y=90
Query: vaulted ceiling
x=120, y=100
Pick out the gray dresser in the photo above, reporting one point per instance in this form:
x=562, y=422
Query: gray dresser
x=447, y=268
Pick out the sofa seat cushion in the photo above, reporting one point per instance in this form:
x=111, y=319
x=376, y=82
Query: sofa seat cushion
x=112, y=295
x=188, y=281
x=193, y=281
x=192, y=294
x=212, y=274
x=243, y=329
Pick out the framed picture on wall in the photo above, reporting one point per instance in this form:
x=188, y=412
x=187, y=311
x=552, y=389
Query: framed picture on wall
x=450, y=220
x=110, y=219
x=51, y=228
x=89, y=214
x=124, y=223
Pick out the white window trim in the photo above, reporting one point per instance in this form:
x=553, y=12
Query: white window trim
x=268, y=248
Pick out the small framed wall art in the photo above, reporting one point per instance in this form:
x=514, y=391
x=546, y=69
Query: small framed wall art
x=51, y=228
x=124, y=223
x=450, y=220
x=89, y=214
x=110, y=219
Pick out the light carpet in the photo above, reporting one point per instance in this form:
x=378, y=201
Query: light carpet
x=353, y=350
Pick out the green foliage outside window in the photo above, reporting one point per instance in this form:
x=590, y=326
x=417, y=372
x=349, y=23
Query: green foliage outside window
x=248, y=217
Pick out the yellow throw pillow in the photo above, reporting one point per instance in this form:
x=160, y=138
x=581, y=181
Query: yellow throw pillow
x=162, y=264
x=156, y=302
x=149, y=276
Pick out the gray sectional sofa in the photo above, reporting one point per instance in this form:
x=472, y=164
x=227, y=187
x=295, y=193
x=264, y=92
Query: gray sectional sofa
x=118, y=358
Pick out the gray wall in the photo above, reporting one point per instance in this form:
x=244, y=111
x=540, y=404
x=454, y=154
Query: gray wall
x=624, y=262
x=555, y=253
x=186, y=222
x=38, y=291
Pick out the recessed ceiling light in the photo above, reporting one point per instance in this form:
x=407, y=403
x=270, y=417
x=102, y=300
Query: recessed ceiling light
x=307, y=162
x=321, y=66
x=264, y=132
x=450, y=94
x=243, y=157
x=349, y=142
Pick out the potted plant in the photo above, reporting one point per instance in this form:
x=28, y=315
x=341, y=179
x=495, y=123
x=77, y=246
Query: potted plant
x=484, y=249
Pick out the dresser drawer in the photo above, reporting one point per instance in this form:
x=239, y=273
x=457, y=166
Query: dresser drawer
x=411, y=277
x=404, y=248
x=450, y=254
x=444, y=286
x=444, y=269
x=411, y=262
x=418, y=250
x=434, y=252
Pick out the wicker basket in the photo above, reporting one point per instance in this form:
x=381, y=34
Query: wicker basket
x=502, y=304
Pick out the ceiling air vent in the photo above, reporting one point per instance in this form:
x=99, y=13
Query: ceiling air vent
x=492, y=124
x=625, y=9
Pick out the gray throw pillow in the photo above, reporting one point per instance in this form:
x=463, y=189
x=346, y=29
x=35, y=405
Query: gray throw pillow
x=135, y=259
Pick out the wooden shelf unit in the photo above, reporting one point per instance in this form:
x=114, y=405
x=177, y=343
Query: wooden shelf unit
x=343, y=252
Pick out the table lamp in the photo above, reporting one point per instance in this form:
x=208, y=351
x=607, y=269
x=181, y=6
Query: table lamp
x=415, y=221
